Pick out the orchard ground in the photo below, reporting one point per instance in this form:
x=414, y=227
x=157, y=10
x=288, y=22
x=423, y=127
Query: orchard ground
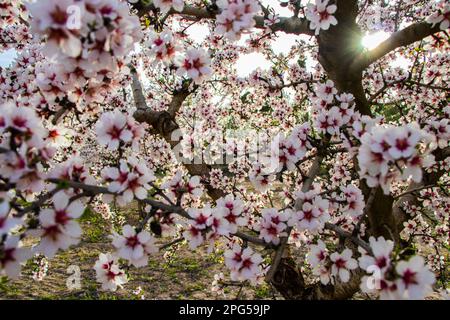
x=186, y=275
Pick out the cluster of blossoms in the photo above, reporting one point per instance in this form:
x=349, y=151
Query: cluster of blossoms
x=233, y=211
x=408, y=279
x=330, y=266
x=331, y=111
x=12, y=256
x=427, y=222
x=317, y=258
x=13, y=34
x=389, y=152
x=195, y=64
x=285, y=154
x=411, y=227
x=115, y=129
x=88, y=40
x=178, y=186
x=74, y=169
x=165, y=5
x=339, y=171
x=244, y=264
x=259, y=178
x=320, y=15
x=163, y=46
x=272, y=225
x=313, y=213
x=108, y=272
x=441, y=15
x=131, y=179
x=201, y=220
x=217, y=286
x=210, y=223
x=59, y=228
x=95, y=31
x=134, y=247
x=353, y=200
x=40, y=269
x=235, y=17
x=83, y=72
x=287, y=151
x=26, y=148
x=439, y=127
x=9, y=11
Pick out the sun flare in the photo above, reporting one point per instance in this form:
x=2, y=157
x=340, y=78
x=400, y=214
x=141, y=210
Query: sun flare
x=372, y=40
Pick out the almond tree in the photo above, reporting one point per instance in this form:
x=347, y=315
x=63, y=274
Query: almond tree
x=337, y=149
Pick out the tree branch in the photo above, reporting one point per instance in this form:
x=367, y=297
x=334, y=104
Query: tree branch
x=92, y=190
x=401, y=38
x=292, y=25
x=313, y=172
x=353, y=238
x=164, y=124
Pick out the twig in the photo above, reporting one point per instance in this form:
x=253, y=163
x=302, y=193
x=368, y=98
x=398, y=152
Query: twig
x=352, y=238
x=416, y=189
x=167, y=245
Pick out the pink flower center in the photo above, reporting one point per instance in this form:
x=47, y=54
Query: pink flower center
x=52, y=232
x=7, y=256
x=19, y=122
x=194, y=232
x=321, y=255
x=308, y=215
x=340, y=263
x=132, y=241
x=402, y=144
x=59, y=16
x=114, y=132
x=197, y=64
x=291, y=150
x=409, y=277
x=237, y=257
x=247, y=264
x=158, y=42
x=106, y=11
x=61, y=217
x=201, y=219
x=324, y=16
x=231, y=218
x=381, y=262
x=272, y=230
x=53, y=134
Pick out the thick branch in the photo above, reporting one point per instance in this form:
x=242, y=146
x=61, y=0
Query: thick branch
x=138, y=92
x=292, y=25
x=163, y=123
x=401, y=38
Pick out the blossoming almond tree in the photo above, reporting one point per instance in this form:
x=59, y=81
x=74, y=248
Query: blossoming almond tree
x=335, y=149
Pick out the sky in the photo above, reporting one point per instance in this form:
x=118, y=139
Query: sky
x=7, y=57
